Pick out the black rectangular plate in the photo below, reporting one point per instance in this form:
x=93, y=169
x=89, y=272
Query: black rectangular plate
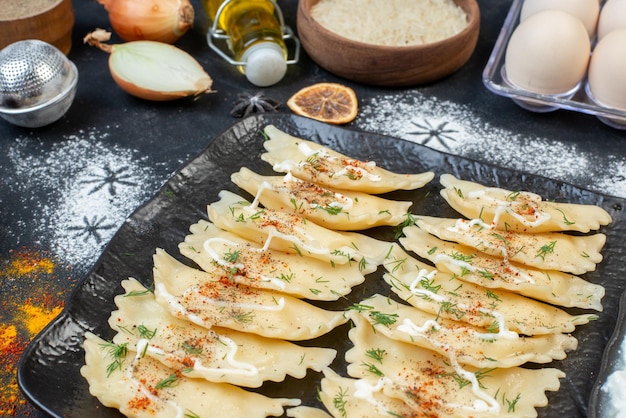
x=49, y=371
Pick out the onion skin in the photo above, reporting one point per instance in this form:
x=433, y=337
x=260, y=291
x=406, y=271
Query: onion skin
x=153, y=95
x=132, y=82
x=153, y=20
x=152, y=70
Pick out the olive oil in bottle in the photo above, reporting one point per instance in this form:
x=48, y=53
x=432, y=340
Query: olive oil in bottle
x=255, y=37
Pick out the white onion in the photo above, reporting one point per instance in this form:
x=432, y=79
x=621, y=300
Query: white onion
x=152, y=70
x=152, y=20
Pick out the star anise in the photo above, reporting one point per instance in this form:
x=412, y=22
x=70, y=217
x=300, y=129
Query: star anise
x=247, y=104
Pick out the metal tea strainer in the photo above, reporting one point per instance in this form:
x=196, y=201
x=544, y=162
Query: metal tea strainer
x=35, y=75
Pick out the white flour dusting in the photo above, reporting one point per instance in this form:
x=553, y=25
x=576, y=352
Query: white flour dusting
x=93, y=186
x=614, y=184
x=415, y=117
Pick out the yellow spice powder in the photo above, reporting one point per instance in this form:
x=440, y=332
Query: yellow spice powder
x=35, y=318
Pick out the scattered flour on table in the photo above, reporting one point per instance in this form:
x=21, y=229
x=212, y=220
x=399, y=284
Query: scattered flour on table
x=93, y=186
x=460, y=131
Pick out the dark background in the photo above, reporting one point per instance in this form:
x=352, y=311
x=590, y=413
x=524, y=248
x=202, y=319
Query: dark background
x=167, y=134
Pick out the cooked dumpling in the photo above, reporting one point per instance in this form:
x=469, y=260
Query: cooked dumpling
x=209, y=301
x=217, y=355
x=448, y=297
x=472, y=266
x=279, y=230
x=519, y=211
x=346, y=397
x=330, y=208
x=313, y=162
x=470, y=345
x=292, y=233
x=546, y=251
x=434, y=386
x=139, y=386
x=213, y=248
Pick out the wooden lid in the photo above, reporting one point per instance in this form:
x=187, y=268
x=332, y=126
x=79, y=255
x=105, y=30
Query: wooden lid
x=47, y=20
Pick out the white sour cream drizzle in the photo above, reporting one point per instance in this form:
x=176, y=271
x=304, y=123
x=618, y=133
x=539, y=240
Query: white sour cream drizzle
x=463, y=226
x=264, y=186
x=300, y=237
x=517, y=276
x=273, y=233
x=278, y=306
x=364, y=390
x=238, y=367
x=503, y=330
x=276, y=282
x=178, y=309
x=485, y=402
x=142, y=346
x=507, y=206
x=305, y=149
x=340, y=201
x=414, y=287
x=253, y=209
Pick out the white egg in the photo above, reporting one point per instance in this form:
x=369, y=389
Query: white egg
x=548, y=53
x=607, y=70
x=586, y=10
x=612, y=16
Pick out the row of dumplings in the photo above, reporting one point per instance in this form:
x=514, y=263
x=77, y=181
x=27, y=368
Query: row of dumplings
x=455, y=344
x=451, y=342
x=194, y=343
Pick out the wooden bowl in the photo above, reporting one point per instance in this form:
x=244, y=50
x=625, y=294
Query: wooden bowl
x=390, y=66
x=50, y=21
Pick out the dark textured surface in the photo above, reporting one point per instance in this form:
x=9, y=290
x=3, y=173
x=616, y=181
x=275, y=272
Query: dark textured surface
x=49, y=373
x=612, y=360
x=167, y=134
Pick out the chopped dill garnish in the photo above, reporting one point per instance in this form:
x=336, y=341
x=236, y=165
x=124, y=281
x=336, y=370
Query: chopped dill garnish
x=191, y=349
x=545, y=250
x=359, y=307
x=133, y=293
x=511, y=404
x=244, y=317
x=168, y=382
x=340, y=401
x=371, y=367
x=144, y=332
x=408, y=221
x=376, y=354
x=232, y=256
x=118, y=353
x=383, y=318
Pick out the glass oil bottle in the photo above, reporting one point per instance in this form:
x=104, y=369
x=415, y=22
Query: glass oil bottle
x=255, y=34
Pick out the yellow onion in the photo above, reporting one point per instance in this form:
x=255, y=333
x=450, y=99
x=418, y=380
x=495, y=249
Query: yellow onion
x=152, y=70
x=152, y=20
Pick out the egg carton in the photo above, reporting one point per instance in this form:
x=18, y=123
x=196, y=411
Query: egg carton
x=578, y=99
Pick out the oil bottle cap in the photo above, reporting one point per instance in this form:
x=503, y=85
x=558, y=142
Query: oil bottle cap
x=265, y=64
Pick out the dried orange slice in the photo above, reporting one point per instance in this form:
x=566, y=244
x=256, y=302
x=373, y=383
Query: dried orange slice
x=327, y=102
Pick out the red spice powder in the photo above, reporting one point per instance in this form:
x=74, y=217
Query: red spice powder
x=140, y=403
x=11, y=348
x=32, y=292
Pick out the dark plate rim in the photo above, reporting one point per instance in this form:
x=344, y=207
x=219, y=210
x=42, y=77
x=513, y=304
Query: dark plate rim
x=610, y=361
x=67, y=313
